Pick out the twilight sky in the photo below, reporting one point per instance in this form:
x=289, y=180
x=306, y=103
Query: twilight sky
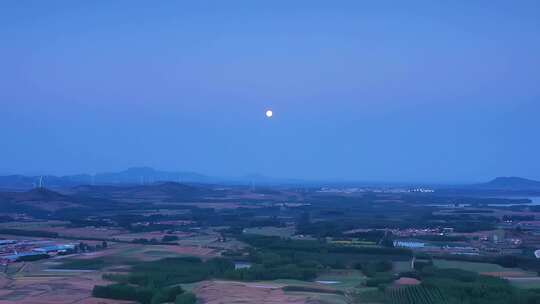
x=440, y=91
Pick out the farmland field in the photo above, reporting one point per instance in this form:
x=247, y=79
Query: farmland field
x=271, y=231
x=525, y=282
x=34, y=285
x=485, y=268
x=304, y=252
x=217, y=292
x=402, y=266
x=342, y=280
x=414, y=295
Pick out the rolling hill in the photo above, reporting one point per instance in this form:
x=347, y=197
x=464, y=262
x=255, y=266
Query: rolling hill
x=510, y=184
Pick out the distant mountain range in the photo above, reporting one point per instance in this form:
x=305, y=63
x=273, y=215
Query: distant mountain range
x=510, y=184
x=500, y=186
x=133, y=176
x=147, y=176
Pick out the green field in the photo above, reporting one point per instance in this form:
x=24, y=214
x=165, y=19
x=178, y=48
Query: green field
x=94, y=264
x=321, y=298
x=477, y=267
x=284, y=232
x=347, y=279
x=34, y=225
x=402, y=266
x=526, y=283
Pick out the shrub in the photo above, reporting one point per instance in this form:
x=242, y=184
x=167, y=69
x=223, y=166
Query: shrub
x=186, y=298
x=379, y=280
x=169, y=238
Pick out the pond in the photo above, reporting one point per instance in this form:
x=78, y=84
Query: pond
x=242, y=265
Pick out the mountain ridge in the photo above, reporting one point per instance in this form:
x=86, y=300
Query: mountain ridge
x=510, y=183
x=147, y=176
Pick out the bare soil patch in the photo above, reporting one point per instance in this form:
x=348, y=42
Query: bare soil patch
x=150, y=252
x=52, y=290
x=404, y=281
x=220, y=292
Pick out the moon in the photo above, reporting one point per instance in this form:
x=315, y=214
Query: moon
x=269, y=113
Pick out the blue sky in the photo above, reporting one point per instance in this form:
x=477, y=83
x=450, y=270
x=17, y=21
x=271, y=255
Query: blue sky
x=442, y=91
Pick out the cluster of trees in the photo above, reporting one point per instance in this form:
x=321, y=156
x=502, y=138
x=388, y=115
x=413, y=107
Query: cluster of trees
x=169, y=238
x=381, y=279
x=518, y=218
x=451, y=286
x=463, y=222
x=78, y=222
x=147, y=282
x=165, y=240
x=371, y=235
x=442, y=238
x=172, y=271
x=522, y=262
x=284, y=271
x=33, y=257
x=277, y=243
x=377, y=271
x=240, y=218
x=85, y=247
x=144, y=295
x=510, y=261
x=333, y=220
x=5, y=218
x=469, y=211
x=372, y=268
x=459, y=286
x=33, y=233
x=322, y=228
x=157, y=281
x=270, y=265
x=86, y=264
x=146, y=241
x=277, y=258
x=190, y=269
